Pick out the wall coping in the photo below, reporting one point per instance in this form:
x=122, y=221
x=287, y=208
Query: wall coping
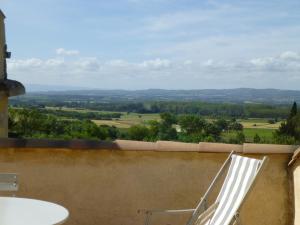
x=165, y=146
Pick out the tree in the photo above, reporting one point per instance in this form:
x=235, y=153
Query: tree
x=293, y=110
x=167, y=133
x=271, y=121
x=240, y=136
x=222, y=124
x=213, y=130
x=138, y=132
x=168, y=119
x=235, y=126
x=191, y=124
x=291, y=127
x=166, y=130
x=238, y=139
x=256, y=139
x=36, y=124
x=153, y=130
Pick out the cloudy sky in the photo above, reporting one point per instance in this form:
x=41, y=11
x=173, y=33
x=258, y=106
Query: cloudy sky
x=140, y=44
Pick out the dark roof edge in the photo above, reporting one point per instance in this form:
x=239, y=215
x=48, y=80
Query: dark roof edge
x=1, y=12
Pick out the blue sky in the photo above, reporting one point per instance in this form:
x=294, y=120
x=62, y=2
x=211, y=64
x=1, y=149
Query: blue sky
x=140, y=44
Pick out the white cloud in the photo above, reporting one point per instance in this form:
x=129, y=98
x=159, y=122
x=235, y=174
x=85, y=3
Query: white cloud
x=289, y=55
x=209, y=62
x=24, y=64
x=117, y=63
x=287, y=61
x=272, y=71
x=54, y=62
x=88, y=64
x=156, y=64
x=64, y=52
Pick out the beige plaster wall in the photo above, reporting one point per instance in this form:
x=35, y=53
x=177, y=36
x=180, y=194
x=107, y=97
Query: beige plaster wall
x=108, y=187
x=296, y=174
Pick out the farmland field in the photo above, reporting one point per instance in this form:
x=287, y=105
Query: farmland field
x=128, y=120
x=265, y=134
x=257, y=123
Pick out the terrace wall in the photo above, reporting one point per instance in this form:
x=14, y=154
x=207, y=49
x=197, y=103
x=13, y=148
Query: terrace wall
x=107, y=183
x=295, y=168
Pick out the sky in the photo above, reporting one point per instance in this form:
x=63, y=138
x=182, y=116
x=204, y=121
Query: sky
x=142, y=44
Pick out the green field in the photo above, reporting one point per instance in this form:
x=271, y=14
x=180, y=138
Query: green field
x=128, y=120
x=258, y=123
x=265, y=134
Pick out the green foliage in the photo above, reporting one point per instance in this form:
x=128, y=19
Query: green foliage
x=138, y=132
x=191, y=124
x=175, y=107
x=162, y=130
x=209, y=139
x=195, y=129
x=166, y=131
x=289, y=131
x=32, y=123
x=271, y=121
x=80, y=115
x=195, y=138
x=238, y=139
x=235, y=126
x=256, y=139
x=293, y=110
x=211, y=129
x=168, y=119
x=45, y=123
x=222, y=124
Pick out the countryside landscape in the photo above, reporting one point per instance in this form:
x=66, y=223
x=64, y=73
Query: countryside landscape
x=149, y=112
x=230, y=116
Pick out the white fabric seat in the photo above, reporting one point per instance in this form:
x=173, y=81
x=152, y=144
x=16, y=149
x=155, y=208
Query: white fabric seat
x=241, y=173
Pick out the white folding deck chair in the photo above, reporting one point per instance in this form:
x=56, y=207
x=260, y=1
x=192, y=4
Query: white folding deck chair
x=240, y=178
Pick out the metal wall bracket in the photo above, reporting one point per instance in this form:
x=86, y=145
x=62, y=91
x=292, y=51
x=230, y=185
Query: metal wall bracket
x=8, y=182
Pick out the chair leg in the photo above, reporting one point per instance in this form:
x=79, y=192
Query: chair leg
x=147, y=219
x=237, y=220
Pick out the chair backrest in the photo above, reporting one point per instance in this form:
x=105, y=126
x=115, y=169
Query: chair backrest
x=241, y=174
x=8, y=182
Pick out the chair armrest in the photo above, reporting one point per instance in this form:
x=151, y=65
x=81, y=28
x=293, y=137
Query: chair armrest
x=207, y=214
x=167, y=211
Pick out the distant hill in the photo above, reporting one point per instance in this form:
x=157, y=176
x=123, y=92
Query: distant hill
x=239, y=95
x=41, y=88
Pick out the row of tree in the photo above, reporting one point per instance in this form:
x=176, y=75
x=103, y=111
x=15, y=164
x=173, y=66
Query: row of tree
x=185, y=128
x=174, y=107
x=81, y=115
x=188, y=128
x=34, y=124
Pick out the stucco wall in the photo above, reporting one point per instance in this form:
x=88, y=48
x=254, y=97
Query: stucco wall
x=109, y=186
x=295, y=168
x=296, y=173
